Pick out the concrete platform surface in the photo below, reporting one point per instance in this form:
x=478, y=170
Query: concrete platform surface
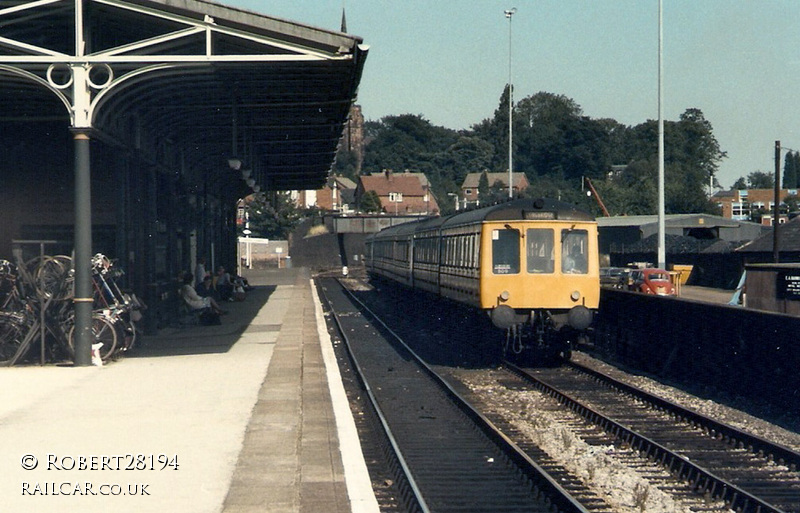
x=235, y=418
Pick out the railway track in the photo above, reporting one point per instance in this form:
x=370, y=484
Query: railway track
x=748, y=473
x=448, y=457
x=756, y=475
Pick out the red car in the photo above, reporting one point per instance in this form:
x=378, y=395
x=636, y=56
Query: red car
x=652, y=281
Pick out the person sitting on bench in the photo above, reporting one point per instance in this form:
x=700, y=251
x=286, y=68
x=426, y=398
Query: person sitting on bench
x=194, y=301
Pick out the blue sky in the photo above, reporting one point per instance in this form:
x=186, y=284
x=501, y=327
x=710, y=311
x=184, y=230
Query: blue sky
x=736, y=60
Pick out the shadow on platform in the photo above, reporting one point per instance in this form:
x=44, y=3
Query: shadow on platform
x=197, y=339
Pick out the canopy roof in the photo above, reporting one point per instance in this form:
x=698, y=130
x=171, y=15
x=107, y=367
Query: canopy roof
x=193, y=83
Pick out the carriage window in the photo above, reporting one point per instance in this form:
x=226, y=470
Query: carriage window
x=505, y=251
x=574, y=251
x=540, y=250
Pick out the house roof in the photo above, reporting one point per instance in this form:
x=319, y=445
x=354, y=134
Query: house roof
x=472, y=180
x=409, y=184
x=344, y=182
x=788, y=239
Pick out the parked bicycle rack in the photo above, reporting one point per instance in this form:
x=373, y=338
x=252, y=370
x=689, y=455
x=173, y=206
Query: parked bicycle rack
x=36, y=300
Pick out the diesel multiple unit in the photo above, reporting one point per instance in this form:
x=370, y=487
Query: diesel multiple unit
x=531, y=264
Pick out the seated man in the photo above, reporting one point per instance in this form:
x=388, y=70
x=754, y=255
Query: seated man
x=205, y=289
x=194, y=301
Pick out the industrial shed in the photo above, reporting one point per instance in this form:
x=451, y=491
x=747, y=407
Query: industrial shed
x=705, y=242
x=620, y=231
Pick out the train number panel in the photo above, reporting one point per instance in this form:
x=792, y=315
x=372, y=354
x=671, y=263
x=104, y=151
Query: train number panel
x=531, y=265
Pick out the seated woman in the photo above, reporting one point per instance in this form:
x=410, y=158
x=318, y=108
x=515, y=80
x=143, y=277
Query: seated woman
x=194, y=301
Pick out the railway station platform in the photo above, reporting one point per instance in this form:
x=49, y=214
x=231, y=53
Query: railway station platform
x=247, y=416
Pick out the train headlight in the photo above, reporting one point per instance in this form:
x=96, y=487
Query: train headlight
x=504, y=295
x=575, y=296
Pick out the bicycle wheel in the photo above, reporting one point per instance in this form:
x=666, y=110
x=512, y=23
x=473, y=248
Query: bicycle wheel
x=51, y=275
x=103, y=331
x=13, y=331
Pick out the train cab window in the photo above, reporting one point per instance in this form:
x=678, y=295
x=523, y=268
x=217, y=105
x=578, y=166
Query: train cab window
x=505, y=251
x=539, y=250
x=574, y=251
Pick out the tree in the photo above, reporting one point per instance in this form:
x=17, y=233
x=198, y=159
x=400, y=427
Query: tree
x=346, y=164
x=792, y=202
x=634, y=191
x=497, y=193
x=554, y=140
x=692, y=156
x=760, y=180
x=370, y=202
x=272, y=215
x=483, y=186
x=410, y=142
x=405, y=142
x=790, y=170
x=700, y=146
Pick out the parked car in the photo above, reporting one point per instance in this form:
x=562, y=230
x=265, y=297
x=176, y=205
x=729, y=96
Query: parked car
x=614, y=277
x=652, y=281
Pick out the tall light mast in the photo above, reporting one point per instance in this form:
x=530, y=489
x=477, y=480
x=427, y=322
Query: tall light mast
x=509, y=13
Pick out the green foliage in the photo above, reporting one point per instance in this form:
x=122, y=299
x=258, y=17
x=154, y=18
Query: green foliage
x=555, y=145
x=792, y=202
x=272, y=215
x=497, y=193
x=760, y=180
x=411, y=142
x=791, y=170
x=370, y=202
x=483, y=185
x=557, y=187
x=346, y=164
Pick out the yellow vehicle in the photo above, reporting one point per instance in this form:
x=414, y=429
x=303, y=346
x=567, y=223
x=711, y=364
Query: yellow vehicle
x=531, y=265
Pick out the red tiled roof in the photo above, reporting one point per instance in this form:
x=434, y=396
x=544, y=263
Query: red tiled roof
x=406, y=183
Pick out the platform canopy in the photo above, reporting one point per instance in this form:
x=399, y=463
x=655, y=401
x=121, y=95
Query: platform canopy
x=194, y=82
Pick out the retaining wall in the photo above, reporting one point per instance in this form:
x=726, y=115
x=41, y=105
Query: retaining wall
x=735, y=350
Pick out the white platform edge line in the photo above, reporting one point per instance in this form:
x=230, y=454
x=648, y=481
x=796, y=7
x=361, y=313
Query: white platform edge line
x=356, y=477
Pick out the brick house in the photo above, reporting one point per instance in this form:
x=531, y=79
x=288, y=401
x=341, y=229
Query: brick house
x=400, y=193
x=740, y=204
x=469, y=189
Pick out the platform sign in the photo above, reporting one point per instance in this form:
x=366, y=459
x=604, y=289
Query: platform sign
x=788, y=286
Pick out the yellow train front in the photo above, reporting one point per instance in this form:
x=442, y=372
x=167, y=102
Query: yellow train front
x=531, y=265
